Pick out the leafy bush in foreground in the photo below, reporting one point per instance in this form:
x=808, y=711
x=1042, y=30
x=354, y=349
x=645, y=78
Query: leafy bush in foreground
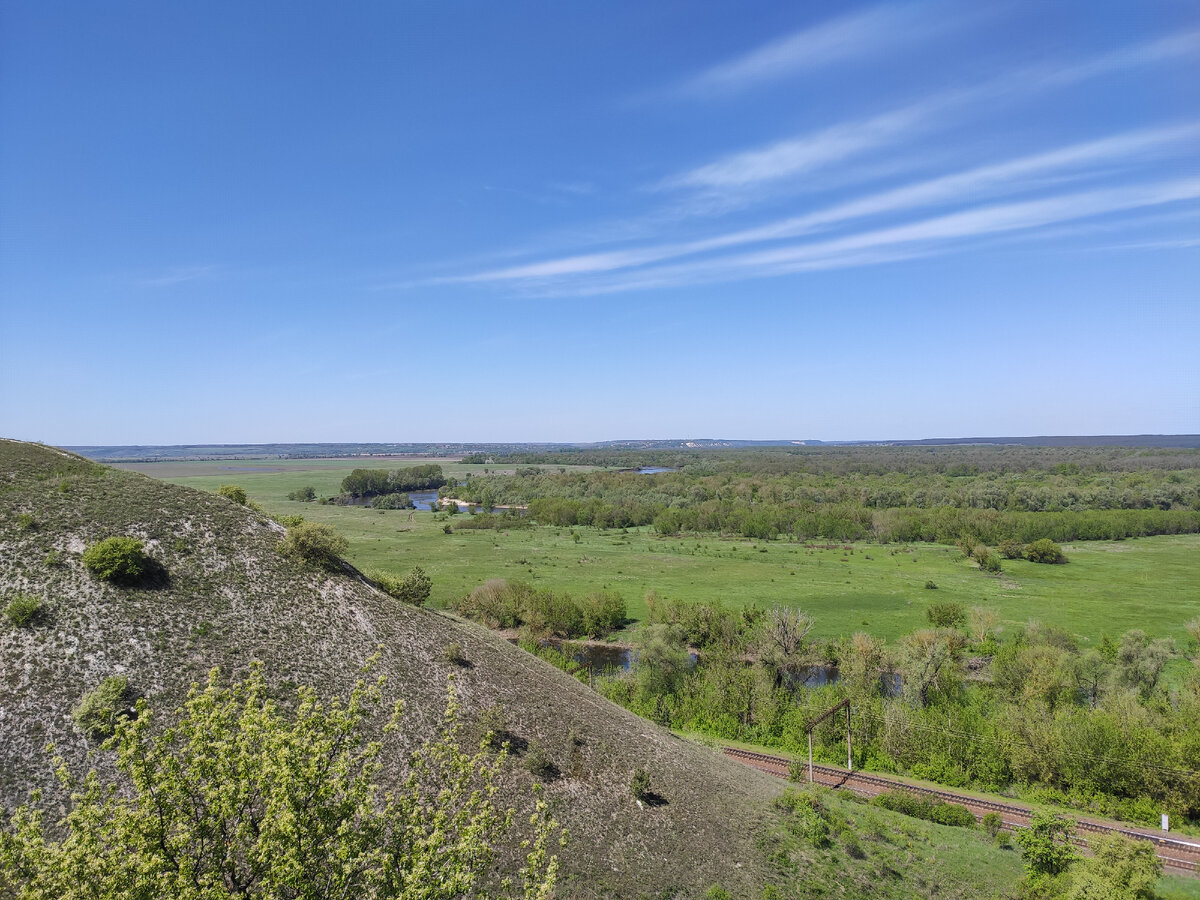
x=119, y=559
x=314, y=543
x=239, y=798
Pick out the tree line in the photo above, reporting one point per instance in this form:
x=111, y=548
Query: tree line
x=372, y=482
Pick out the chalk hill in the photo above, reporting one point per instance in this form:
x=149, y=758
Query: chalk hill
x=231, y=598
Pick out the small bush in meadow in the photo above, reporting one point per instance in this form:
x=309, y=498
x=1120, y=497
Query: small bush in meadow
x=1012, y=550
x=1045, y=551
x=946, y=615
x=118, y=559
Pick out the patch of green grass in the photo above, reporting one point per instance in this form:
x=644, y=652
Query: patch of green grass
x=1178, y=887
x=1105, y=588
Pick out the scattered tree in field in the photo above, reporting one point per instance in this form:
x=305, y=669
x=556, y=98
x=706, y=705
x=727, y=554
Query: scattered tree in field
x=982, y=623
x=927, y=664
x=240, y=799
x=1044, y=551
x=314, y=543
x=118, y=559
x=1046, y=844
x=304, y=494
x=234, y=492
x=783, y=634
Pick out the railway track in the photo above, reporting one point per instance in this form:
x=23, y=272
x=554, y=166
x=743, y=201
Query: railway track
x=1177, y=853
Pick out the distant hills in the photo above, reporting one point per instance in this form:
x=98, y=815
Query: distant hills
x=152, y=453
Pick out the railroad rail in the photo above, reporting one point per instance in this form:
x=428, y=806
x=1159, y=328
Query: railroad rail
x=1175, y=852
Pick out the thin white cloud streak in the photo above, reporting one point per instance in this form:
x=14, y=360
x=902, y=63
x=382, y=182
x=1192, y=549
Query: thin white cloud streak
x=924, y=238
x=974, y=182
x=796, y=156
x=1177, y=244
x=853, y=36
x=810, y=152
x=179, y=275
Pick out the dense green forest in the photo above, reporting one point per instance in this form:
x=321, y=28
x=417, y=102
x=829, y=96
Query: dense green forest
x=940, y=494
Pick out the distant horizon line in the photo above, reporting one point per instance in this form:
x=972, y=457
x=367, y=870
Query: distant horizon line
x=1140, y=439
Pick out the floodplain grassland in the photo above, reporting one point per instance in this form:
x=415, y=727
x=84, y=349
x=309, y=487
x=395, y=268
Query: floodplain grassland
x=1107, y=587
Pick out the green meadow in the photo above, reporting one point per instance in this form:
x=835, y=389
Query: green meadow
x=1150, y=583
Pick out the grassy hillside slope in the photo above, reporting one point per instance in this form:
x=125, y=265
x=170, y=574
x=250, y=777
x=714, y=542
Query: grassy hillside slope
x=232, y=598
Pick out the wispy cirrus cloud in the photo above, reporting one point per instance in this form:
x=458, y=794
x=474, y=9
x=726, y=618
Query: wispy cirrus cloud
x=812, y=151
x=854, y=36
x=177, y=275
x=927, y=237
x=975, y=183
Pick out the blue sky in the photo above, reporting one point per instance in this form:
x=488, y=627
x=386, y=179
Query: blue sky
x=565, y=221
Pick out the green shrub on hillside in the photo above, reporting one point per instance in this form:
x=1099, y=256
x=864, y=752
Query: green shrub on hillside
x=807, y=818
x=99, y=710
x=314, y=543
x=639, y=784
x=413, y=588
x=119, y=559
x=234, y=492
x=931, y=810
x=23, y=609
